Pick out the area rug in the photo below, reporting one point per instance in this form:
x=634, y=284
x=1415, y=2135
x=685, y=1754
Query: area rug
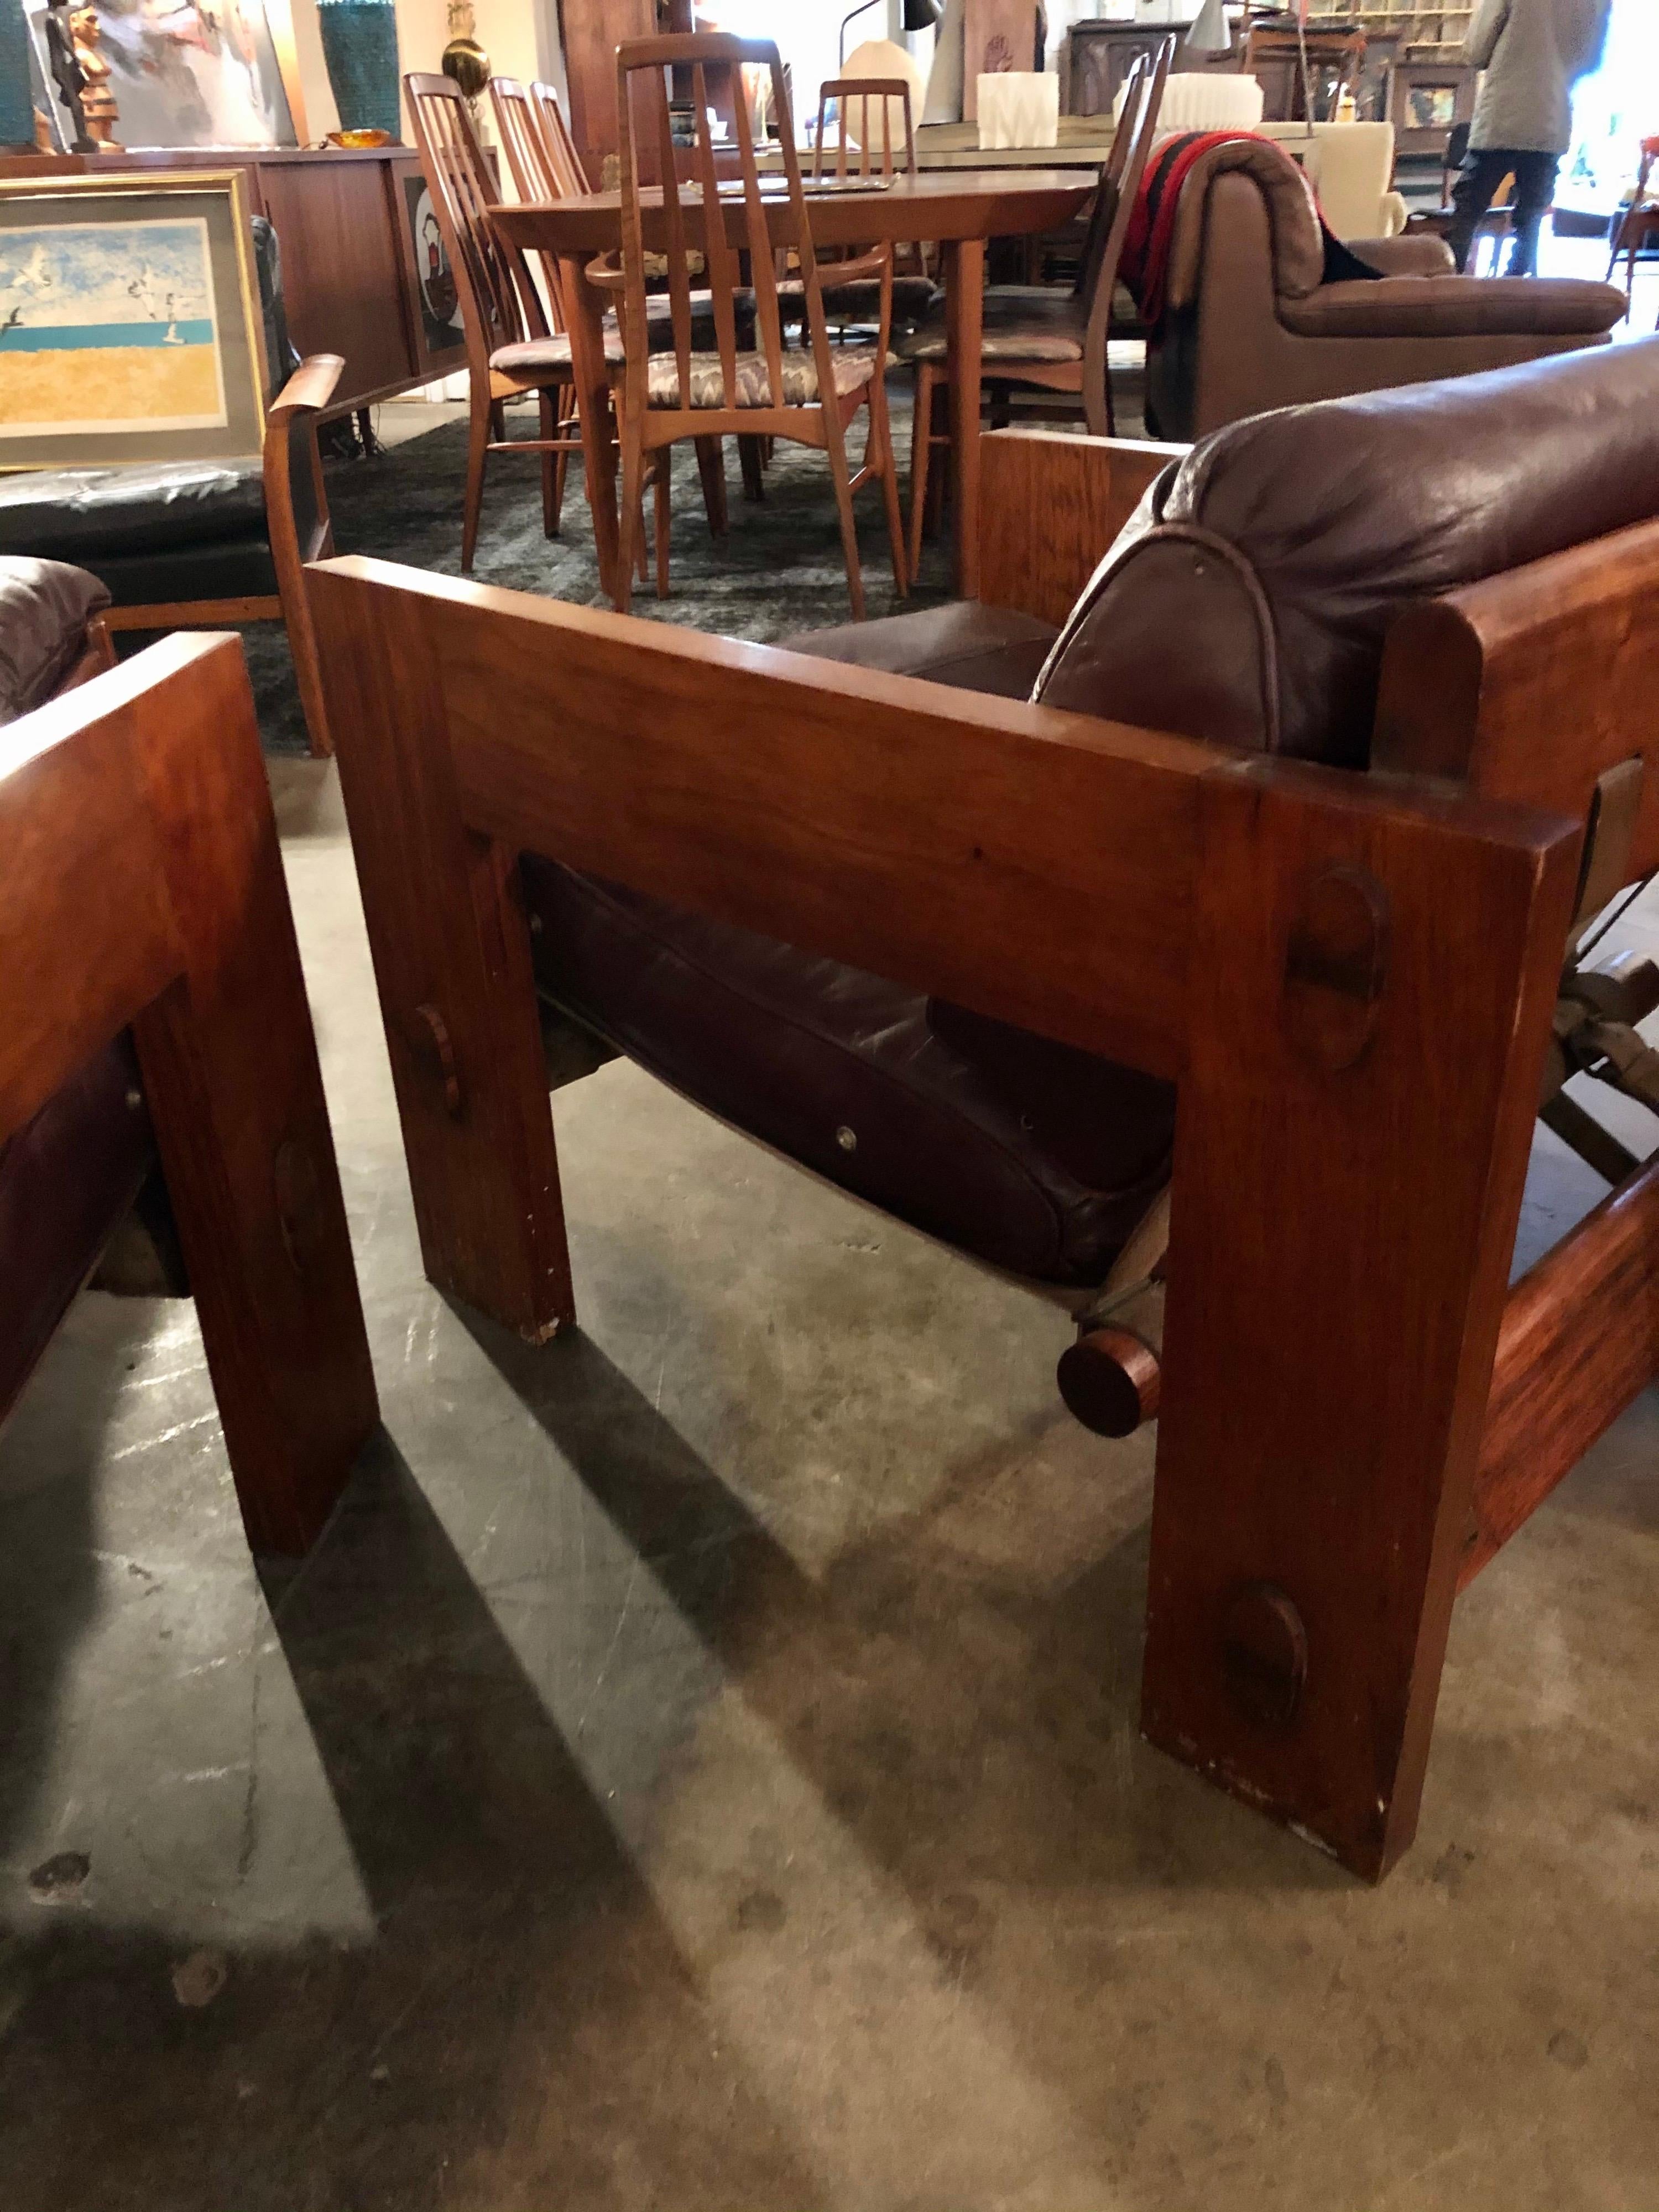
x=777, y=570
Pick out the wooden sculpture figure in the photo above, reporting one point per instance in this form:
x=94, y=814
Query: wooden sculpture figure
x=98, y=105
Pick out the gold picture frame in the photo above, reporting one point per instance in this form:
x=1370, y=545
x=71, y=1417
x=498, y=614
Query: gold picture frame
x=130, y=329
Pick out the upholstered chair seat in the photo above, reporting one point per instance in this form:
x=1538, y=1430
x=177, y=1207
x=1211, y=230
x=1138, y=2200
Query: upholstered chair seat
x=851, y=367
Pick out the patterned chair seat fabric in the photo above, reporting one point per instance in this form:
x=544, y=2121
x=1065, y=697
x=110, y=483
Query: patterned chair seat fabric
x=549, y=355
x=852, y=367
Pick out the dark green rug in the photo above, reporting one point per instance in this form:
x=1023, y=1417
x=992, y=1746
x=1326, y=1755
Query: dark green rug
x=778, y=568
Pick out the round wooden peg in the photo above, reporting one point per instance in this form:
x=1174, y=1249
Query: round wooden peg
x=1264, y=1651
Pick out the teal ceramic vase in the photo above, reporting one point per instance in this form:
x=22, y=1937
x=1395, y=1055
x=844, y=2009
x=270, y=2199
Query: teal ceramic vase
x=360, y=45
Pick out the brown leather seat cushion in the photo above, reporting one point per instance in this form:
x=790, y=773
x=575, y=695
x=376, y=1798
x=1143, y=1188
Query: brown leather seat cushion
x=971, y=647
x=1249, y=598
x=1032, y=1156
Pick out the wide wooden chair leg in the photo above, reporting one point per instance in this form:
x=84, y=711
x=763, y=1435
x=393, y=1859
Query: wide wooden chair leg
x=235, y=1093
x=1322, y=1416
x=451, y=944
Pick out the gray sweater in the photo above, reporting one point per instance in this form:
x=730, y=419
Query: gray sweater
x=1533, y=52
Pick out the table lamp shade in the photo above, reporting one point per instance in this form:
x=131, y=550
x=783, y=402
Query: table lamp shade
x=1209, y=33
x=921, y=14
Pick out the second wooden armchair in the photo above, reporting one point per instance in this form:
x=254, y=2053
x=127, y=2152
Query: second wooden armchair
x=1328, y=767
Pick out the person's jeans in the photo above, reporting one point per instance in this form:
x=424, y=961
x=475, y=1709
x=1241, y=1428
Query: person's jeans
x=1483, y=171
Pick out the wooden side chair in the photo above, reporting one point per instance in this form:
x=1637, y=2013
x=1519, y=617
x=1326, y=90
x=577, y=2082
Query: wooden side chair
x=567, y=165
x=868, y=109
x=523, y=135
x=1635, y=228
x=1321, y=777
x=511, y=353
x=810, y=393
x=1039, y=338
x=157, y=1040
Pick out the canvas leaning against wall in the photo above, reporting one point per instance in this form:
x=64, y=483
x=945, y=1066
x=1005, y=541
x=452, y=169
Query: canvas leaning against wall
x=205, y=74
x=129, y=327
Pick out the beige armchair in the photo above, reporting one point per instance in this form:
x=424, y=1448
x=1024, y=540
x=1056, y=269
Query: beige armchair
x=1250, y=325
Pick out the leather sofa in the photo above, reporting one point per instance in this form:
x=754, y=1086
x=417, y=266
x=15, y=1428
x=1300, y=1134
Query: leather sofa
x=1249, y=324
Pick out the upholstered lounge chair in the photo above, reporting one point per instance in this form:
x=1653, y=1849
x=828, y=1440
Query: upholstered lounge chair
x=156, y=1048
x=964, y=955
x=1251, y=325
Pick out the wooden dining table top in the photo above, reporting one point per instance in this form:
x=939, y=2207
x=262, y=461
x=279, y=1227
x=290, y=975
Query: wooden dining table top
x=938, y=206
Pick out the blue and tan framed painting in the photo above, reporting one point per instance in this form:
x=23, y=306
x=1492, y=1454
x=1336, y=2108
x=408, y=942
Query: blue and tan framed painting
x=130, y=328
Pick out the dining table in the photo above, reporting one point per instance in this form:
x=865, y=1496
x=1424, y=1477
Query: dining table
x=957, y=210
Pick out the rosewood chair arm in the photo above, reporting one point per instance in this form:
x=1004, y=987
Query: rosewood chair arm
x=1052, y=502
x=297, y=519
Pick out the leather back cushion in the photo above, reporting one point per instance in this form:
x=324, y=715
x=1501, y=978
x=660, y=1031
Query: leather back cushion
x=1247, y=599
x=44, y=608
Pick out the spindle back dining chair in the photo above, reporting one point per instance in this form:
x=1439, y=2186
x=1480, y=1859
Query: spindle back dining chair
x=871, y=106
x=1038, y=338
x=809, y=393
x=567, y=164
x=511, y=353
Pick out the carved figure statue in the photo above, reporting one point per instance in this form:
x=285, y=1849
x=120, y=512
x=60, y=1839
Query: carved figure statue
x=97, y=100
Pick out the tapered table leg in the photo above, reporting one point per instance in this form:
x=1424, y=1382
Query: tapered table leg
x=585, y=320
x=965, y=309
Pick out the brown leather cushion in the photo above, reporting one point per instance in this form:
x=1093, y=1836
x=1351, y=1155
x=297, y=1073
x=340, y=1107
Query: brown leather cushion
x=44, y=608
x=1439, y=306
x=971, y=647
x=1247, y=599
x=1032, y=1156
x=66, y=1179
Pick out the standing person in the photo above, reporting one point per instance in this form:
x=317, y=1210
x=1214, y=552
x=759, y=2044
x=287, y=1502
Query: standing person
x=1533, y=53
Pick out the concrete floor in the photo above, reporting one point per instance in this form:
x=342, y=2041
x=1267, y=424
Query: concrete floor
x=698, y=1768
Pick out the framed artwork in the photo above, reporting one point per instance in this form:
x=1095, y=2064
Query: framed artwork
x=439, y=337
x=204, y=73
x=130, y=324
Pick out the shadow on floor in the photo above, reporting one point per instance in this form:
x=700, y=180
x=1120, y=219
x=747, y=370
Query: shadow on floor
x=342, y=2078
x=932, y=1656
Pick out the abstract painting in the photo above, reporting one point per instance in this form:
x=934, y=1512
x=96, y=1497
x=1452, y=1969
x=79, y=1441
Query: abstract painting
x=202, y=74
x=109, y=328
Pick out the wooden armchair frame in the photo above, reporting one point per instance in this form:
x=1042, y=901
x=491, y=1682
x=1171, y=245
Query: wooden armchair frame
x=298, y=532
x=1290, y=944
x=143, y=887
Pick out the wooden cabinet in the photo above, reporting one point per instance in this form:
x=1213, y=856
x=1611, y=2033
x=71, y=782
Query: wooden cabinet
x=352, y=262
x=1101, y=55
